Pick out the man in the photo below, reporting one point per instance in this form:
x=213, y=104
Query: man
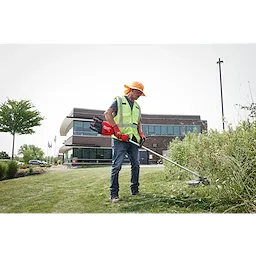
x=124, y=115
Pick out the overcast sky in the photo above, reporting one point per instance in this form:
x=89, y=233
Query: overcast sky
x=179, y=79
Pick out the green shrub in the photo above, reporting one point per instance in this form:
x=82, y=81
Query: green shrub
x=3, y=170
x=44, y=165
x=24, y=166
x=12, y=169
x=227, y=159
x=30, y=171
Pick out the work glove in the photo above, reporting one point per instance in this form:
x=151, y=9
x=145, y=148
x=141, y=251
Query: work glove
x=119, y=135
x=142, y=138
x=101, y=126
x=117, y=132
x=124, y=137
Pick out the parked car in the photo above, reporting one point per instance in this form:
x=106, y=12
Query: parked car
x=36, y=162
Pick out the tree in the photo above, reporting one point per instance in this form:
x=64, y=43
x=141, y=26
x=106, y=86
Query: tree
x=30, y=152
x=18, y=117
x=4, y=155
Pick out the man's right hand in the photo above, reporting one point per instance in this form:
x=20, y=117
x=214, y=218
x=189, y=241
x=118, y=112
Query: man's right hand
x=117, y=131
x=119, y=135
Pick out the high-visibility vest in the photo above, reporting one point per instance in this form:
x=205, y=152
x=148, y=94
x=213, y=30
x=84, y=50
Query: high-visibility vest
x=127, y=119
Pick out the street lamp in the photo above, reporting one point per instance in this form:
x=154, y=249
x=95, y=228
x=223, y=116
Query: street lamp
x=219, y=62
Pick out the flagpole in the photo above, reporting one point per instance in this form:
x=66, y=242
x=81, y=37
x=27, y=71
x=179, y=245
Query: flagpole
x=48, y=152
x=55, y=146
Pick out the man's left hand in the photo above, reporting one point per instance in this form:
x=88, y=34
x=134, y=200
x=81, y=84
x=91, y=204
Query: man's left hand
x=142, y=138
x=124, y=137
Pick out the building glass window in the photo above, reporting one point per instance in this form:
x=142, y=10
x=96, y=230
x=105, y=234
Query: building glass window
x=86, y=154
x=107, y=153
x=78, y=124
x=192, y=128
x=151, y=130
x=182, y=131
x=93, y=153
x=87, y=130
x=198, y=128
x=90, y=154
x=170, y=130
x=176, y=130
x=164, y=130
x=99, y=154
x=83, y=128
x=157, y=130
x=78, y=153
x=145, y=129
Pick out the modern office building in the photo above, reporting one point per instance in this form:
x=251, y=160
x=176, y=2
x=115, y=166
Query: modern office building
x=83, y=146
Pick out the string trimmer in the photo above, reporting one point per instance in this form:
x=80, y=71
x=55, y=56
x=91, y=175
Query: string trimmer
x=201, y=179
x=105, y=128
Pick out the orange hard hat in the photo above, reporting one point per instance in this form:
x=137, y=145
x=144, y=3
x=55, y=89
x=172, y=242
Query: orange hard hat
x=135, y=85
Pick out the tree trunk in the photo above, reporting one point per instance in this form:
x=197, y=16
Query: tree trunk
x=13, y=140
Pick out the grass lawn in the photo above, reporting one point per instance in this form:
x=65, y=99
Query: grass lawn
x=87, y=191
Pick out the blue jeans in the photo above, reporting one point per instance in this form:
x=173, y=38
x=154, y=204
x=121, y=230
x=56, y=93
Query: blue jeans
x=120, y=149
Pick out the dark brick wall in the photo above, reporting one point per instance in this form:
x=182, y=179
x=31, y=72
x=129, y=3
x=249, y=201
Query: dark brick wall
x=95, y=141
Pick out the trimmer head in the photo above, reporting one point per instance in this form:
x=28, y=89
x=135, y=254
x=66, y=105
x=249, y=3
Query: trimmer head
x=194, y=182
x=203, y=180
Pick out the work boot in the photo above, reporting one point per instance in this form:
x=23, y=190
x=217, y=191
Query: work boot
x=137, y=193
x=114, y=199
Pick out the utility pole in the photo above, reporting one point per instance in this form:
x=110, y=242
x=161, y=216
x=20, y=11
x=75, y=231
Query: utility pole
x=219, y=62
